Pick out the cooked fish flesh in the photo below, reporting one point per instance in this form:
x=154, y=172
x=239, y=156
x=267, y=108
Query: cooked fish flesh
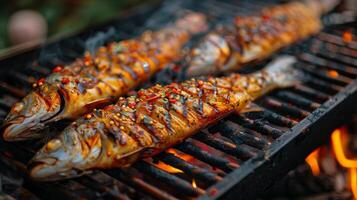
x=255, y=37
x=157, y=118
x=97, y=80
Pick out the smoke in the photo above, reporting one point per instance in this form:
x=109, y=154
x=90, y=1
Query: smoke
x=99, y=39
x=67, y=50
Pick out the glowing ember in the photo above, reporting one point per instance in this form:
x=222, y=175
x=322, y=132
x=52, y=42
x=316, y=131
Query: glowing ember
x=333, y=73
x=168, y=168
x=339, y=139
x=313, y=162
x=194, y=185
x=171, y=169
x=184, y=157
x=347, y=36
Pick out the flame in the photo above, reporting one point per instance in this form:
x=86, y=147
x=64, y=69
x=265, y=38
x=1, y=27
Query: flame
x=194, y=185
x=347, y=36
x=171, y=169
x=339, y=138
x=353, y=181
x=338, y=147
x=168, y=168
x=184, y=157
x=333, y=73
x=313, y=161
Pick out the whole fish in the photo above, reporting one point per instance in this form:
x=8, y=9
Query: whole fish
x=157, y=118
x=255, y=37
x=96, y=80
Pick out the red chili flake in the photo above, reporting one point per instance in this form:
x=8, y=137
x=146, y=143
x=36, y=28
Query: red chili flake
x=40, y=81
x=265, y=17
x=168, y=94
x=65, y=81
x=200, y=83
x=171, y=100
x=57, y=69
x=152, y=97
x=132, y=105
x=141, y=92
x=174, y=90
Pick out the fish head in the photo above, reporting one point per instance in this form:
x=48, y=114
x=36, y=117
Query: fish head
x=29, y=116
x=68, y=155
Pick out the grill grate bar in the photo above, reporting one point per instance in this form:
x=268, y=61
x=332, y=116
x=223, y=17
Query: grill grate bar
x=324, y=75
x=311, y=93
x=343, y=69
x=189, y=169
x=328, y=37
x=256, y=125
x=215, y=161
x=246, y=136
x=297, y=99
x=169, y=179
x=238, y=151
x=338, y=49
x=286, y=108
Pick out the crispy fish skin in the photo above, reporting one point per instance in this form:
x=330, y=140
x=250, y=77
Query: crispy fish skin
x=157, y=118
x=255, y=37
x=96, y=80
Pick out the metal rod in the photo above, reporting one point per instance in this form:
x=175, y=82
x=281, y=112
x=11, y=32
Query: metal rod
x=235, y=150
x=216, y=161
x=190, y=169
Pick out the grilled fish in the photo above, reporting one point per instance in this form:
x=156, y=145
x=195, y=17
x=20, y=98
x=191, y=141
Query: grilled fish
x=96, y=80
x=255, y=37
x=157, y=118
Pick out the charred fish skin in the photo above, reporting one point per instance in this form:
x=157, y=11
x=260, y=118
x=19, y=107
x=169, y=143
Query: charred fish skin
x=255, y=37
x=157, y=118
x=96, y=80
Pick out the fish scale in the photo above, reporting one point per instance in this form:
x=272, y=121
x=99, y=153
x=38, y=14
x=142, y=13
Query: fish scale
x=128, y=131
x=97, y=79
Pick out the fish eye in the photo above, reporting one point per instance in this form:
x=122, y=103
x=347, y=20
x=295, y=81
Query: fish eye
x=53, y=145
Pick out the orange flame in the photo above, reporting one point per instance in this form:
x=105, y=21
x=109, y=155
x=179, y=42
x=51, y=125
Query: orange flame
x=171, y=169
x=184, y=157
x=313, y=162
x=347, y=36
x=194, y=185
x=339, y=138
x=333, y=73
x=353, y=181
x=338, y=147
x=168, y=168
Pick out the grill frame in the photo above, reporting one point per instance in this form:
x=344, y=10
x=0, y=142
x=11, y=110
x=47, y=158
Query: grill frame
x=242, y=180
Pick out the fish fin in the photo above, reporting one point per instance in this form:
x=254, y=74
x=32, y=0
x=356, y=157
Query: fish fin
x=98, y=103
x=251, y=107
x=283, y=72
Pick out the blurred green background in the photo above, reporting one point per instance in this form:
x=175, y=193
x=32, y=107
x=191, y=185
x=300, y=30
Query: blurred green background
x=61, y=16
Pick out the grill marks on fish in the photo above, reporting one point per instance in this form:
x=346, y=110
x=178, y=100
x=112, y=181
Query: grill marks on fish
x=254, y=37
x=117, y=68
x=157, y=122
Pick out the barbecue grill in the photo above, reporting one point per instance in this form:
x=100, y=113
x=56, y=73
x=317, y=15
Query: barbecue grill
x=238, y=158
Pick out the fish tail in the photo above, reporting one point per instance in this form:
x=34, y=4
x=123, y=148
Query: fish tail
x=282, y=71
